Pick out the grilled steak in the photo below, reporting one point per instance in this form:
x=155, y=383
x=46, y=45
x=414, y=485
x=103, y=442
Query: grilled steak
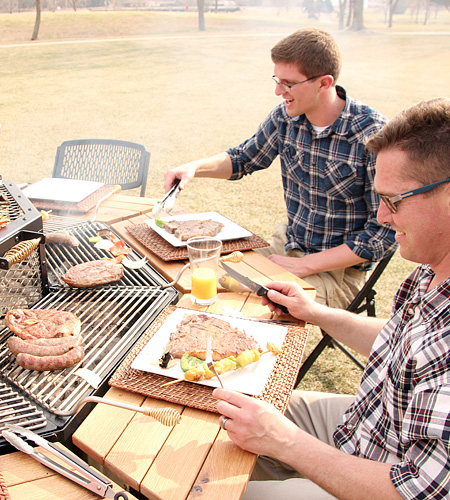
x=183, y=230
x=190, y=336
x=96, y=272
x=42, y=323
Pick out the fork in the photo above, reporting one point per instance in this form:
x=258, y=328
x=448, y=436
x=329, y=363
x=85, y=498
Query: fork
x=209, y=359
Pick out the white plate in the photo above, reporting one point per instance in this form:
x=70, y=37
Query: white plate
x=65, y=190
x=230, y=230
x=250, y=380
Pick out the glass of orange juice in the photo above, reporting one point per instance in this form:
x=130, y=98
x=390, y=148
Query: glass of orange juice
x=204, y=253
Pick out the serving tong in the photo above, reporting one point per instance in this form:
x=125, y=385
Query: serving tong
x=168, y=201
x=82, y=474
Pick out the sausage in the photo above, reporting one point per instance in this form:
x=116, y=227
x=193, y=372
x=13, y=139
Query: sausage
x=42, y=347
x=62, y=239
x=44, y=363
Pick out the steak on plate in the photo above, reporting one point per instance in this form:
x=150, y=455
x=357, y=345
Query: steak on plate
x=42, y=323
x=96, y=272
x=226, y=340
x=185, y=229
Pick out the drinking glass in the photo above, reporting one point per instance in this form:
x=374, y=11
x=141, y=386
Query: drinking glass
x=204, y=253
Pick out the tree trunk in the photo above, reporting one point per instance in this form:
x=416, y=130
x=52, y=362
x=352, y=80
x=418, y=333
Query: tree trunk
x=358, y=9
x=342, y=7
x=37, y=22
x=201, y=14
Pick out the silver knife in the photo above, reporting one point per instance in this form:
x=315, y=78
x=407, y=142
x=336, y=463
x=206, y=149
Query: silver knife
x=259, y=289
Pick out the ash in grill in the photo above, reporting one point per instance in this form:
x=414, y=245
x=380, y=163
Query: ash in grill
x=113, y=317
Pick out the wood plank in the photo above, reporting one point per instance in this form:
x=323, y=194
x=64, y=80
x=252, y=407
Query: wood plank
x=174, y=472
x=225, y=472
x=28, y=479
x=105, y=424
x=137, y=446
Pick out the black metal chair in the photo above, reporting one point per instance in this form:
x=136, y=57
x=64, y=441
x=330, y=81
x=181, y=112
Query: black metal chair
x=364, y=301
x=102, y=160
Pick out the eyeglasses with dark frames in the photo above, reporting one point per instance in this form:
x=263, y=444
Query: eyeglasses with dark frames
x=392, y=202
x=288, y=88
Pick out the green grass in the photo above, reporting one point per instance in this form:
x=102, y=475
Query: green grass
x=153, y=78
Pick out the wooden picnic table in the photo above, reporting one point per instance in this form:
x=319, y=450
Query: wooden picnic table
x=194, y=459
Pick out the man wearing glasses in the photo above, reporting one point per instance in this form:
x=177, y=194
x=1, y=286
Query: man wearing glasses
x=391, y=441
x=332, y=236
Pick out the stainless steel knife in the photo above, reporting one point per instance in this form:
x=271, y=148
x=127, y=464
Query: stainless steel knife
x=259, y=289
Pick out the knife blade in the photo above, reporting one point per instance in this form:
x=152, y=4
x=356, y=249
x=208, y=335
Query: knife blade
x=259, y=289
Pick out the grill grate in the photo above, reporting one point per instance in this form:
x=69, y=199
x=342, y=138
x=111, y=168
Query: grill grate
x=14, y=409
x=60, y=258
x=111, y=322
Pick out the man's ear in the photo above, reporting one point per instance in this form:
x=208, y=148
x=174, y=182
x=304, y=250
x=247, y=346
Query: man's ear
x=326, y=81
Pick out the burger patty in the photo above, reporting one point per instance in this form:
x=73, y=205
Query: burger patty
x=93, y=273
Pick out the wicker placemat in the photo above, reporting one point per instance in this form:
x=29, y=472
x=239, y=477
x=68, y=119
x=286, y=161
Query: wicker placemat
x=165, y=251
x=84, y=206
x=4, y=494
x=277, y=390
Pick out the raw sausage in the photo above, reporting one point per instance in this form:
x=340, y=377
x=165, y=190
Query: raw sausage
x=44, y=363
x=62, y=239
x=43, y=347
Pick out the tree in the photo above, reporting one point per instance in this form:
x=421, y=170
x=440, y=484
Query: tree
x=358, y=9
x=201, y=14
x=37, y=22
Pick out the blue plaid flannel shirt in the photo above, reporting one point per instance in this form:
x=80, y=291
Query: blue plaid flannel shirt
x=327, y=179
x=401, y=415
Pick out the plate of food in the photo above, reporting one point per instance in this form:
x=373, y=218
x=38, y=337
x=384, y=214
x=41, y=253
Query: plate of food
x=177, y=350
x=178, y=229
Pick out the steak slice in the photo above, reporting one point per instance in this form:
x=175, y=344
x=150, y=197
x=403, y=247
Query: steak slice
x=185, y=229
x=190, y=336
x=31, y=324
x=96, y=272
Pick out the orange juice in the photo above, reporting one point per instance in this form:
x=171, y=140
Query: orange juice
x=204, y=283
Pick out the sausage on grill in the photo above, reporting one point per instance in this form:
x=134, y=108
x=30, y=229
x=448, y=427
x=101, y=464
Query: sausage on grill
x=44, y=363
x=43, y=347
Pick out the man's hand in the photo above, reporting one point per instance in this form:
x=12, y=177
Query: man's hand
x=296, y=265
x=254, y=425
x=185, y=173
x=292, y=296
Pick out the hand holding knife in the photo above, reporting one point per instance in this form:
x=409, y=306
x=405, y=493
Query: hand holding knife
x=259, y=289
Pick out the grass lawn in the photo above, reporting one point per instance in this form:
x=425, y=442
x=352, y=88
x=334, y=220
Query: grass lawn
x=153, y=78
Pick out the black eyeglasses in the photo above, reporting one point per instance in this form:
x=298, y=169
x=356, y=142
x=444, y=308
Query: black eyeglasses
x=287, y=88
x=392, y=202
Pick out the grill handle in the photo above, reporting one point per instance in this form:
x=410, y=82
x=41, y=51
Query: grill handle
x=166, y=416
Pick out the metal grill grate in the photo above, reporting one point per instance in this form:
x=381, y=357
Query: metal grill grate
x=14, y=409
x=111, y=322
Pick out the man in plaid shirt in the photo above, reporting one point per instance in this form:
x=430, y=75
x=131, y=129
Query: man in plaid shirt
x=392, y=440
x=332, y=236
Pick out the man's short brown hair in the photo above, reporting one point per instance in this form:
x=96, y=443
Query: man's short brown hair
x=423, y=132
x=315, y=52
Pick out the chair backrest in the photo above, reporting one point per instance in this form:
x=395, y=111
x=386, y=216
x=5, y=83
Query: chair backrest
x=102, y=160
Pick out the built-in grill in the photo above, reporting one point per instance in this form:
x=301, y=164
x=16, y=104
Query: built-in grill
x=113, y=317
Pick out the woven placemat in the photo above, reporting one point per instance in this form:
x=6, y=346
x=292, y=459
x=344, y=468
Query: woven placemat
x=165, y=251
x=277, y=390
x=84, y=206
x=4, y=494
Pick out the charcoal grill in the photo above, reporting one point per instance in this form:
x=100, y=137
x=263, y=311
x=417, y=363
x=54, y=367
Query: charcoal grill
x=113, y=317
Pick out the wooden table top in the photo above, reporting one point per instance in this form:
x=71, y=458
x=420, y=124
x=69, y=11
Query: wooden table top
x=27, y=479
x=195, y=459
